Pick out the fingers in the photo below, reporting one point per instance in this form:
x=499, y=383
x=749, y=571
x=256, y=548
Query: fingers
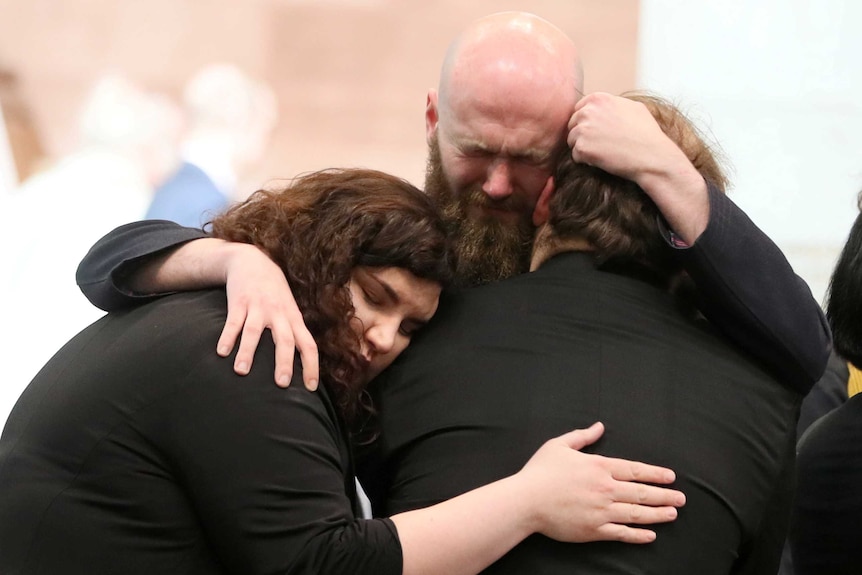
x=625, y=470
x=625, y=534
x=578, y=142
x=251, y=332
x=589, y=98
x=308, y=353
x=288, y=333
x=626, y=513
x=580, y=438
x=634, y=514
x=282, y=336
x=232, y=328
x=642, y=494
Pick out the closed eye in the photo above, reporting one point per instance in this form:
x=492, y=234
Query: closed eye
x=408, y=328
x=371, y=297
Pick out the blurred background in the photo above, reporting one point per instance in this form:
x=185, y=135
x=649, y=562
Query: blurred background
x=104, y=102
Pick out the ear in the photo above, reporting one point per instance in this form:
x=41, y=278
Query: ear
x=431, y=115
x=542, y=211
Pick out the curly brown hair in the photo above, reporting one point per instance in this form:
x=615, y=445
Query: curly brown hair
x=323, y=225
x=614, y=215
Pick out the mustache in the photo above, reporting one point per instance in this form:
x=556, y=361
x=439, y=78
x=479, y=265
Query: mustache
x=476, y=197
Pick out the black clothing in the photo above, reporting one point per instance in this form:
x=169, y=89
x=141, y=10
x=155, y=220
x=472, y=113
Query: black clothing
x=824, y=538
x=100, y=275
x=827, y=394
x=138, y=450
x=504, y=367
x=749, y=291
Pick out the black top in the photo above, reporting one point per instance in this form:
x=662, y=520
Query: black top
x=138, y=450
x=504, y=367
x=827, y=394
x=825, y=534
x=748, y=289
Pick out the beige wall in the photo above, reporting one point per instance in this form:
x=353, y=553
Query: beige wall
x=351, y=76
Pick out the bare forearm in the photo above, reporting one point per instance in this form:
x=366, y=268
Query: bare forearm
x=679, y=192
x=104, y=273
x=465, y=534
x=561, y=493
x=194, y=265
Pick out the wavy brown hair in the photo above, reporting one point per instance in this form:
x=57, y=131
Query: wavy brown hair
x=323, y=225
x=614, y=215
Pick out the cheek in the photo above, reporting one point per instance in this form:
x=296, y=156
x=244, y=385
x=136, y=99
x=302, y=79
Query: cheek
x=360, y=314
x=464, y=172
x=381, y=362
x=530, y=183
x=357, y=327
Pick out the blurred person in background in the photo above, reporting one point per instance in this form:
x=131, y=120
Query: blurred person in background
x=230, y=118
x=8, y=173
x=128, y=142
x=21, y=150
x=824, y=538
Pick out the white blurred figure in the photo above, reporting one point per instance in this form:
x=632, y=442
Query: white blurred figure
x=230, y=120
x=8, y=173
x=129, y=143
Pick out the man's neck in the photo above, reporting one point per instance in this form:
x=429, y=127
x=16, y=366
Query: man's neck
x=547, y=244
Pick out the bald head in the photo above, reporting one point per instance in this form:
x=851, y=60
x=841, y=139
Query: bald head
x=511, y=49
x=497, y=125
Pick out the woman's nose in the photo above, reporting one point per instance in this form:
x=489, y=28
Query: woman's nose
x=381, y=337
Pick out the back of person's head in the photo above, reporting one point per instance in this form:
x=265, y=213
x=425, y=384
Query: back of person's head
x=324, y=224
x=613, y=214
x=844, y=301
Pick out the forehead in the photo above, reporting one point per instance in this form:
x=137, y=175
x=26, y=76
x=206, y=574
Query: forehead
x=505, y=117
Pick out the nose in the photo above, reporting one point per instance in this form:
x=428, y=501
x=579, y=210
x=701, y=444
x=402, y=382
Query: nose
x=498, y=181
x=381, y=337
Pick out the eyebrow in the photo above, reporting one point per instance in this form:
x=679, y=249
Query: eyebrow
x=532, y=154
x=387, y=288
x=394, y=295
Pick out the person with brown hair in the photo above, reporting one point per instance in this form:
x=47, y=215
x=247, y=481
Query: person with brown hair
x=612, y=215
x=138, y=450
x=595, y=333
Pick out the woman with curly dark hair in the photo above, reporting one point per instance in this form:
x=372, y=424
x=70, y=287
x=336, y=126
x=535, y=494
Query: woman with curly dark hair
x=137, y=450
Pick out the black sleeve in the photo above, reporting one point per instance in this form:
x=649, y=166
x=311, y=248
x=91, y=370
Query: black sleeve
x=265, y=471
x=113, y=258
x=749, y=291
